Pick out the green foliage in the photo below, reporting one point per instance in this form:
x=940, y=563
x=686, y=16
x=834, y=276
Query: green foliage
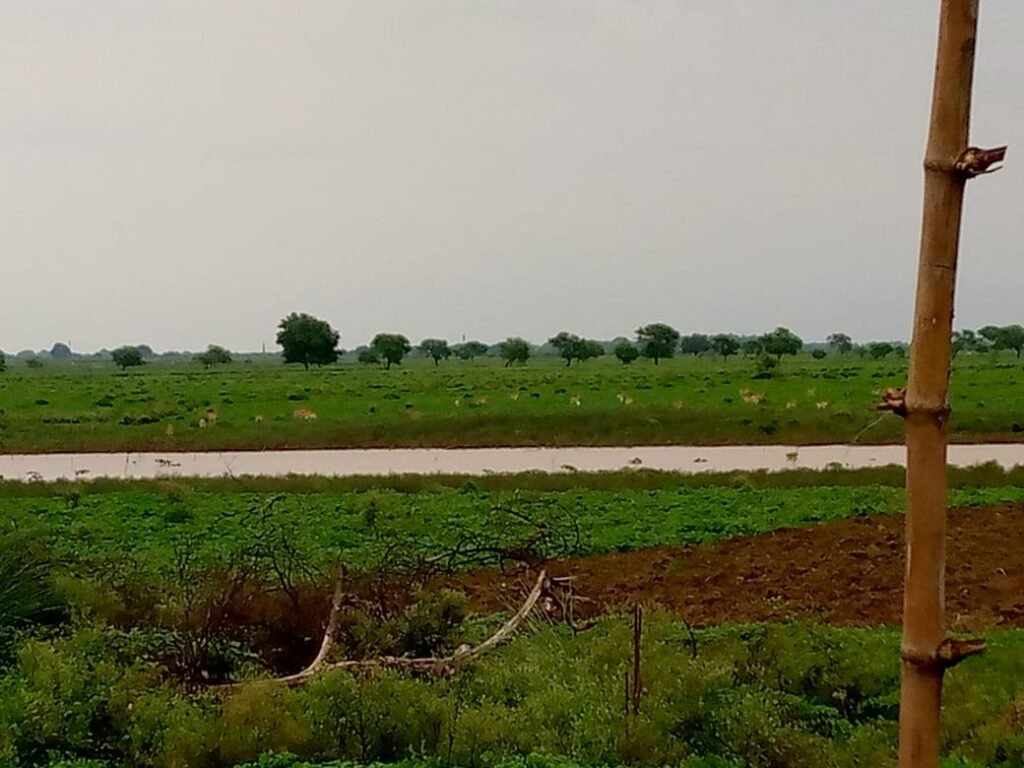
x=214, y=355
x=126, y=357
x=725, y=344
x=626, y=352
x=781, y=342
x=765, y=366
x=819, y=354
x=391, y=348
x=799, y=696
x=438, y=349
x=840, y=342
x=572, y=347
x=470, y=350
x=1004, y=337
x=483, y=404
x=879, y=349
x=514, y=350
x=328, y=526
x=369, y=356
x=308, y=340
x=657, y=341
x=35, y=363
x=3, y=362
x=28, y=597
x=695, y=344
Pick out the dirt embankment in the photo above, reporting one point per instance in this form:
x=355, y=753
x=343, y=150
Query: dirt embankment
x=846, y=573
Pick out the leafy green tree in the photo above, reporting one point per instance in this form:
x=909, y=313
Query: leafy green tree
x=565, y=343
x=781, y=341
x=126, y=357
x=588, y=349
x=571, y=347
x=391, y=348
x=751, y=347
x=60, y=351
x=819, y=354
x=626, y=352
x=968, y=341
x=725, y=344
x=1005, y=337
x=470, y=350
x=438, y=349
x=3, y=362
x=214, y=355
x=879, y=349
x=308, y=340
x=840, y=342
x=694, y=344
x=515, y=350
x=657, y=341
x=368, y=356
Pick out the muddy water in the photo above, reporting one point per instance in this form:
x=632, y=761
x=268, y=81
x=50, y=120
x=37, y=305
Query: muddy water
x=477, y=461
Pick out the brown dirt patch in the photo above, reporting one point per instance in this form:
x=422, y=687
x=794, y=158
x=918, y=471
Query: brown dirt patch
x=845, y=573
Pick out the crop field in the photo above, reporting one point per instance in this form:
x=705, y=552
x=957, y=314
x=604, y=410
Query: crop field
x=80, y=407
x=768, y=639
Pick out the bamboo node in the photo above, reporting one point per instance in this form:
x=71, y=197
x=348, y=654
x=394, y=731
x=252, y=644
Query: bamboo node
x=949, y=653
x=975, y=161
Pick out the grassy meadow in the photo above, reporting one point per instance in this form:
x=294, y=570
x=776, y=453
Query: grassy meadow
x=168, y=406
x=124, y=578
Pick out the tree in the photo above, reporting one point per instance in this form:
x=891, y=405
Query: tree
x=781, y=341
x=571, y=347
x=470, y=350
x=565, y=343
x=3, y=362
x=214, y=355
x=60, y=351
x=126, y=357
x=308, y=340
x=626, y=352
x=391, y=348
x=751, y=347
x=438, y=349
x=589, y=349
x=515, y=350
x=1005, y=337
x=694, y=344
x=840, y=342
x=725, y=344
x=368, y=356
x=657, y=341
x=879, y=349
x=967, y=341
x=145, y=350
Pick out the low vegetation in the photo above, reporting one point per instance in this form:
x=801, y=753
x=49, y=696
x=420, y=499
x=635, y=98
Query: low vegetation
x=698, y=400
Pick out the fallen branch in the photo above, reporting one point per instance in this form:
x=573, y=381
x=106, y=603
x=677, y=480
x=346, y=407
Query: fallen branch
x=442, y=665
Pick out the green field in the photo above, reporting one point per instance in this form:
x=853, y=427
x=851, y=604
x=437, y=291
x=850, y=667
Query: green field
x=165, y=406
x=360, y=527
x=97, y=687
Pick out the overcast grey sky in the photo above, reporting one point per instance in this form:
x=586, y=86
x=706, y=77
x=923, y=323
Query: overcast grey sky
x=184, y=172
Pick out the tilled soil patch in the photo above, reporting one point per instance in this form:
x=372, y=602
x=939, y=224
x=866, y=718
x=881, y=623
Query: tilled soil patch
x=847, y=573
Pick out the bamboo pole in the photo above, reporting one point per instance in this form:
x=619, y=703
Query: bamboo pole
x=949, y=163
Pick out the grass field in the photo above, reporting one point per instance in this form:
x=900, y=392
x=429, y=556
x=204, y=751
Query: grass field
x=96, y=691
x=82, y=407
x=146, y=522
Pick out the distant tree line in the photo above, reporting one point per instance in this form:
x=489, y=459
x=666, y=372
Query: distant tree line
x=311, y=341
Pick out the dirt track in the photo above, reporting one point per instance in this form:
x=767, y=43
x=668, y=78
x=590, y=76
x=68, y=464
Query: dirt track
x=846, y=573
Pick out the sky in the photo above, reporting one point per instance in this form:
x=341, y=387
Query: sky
x=186, y=172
